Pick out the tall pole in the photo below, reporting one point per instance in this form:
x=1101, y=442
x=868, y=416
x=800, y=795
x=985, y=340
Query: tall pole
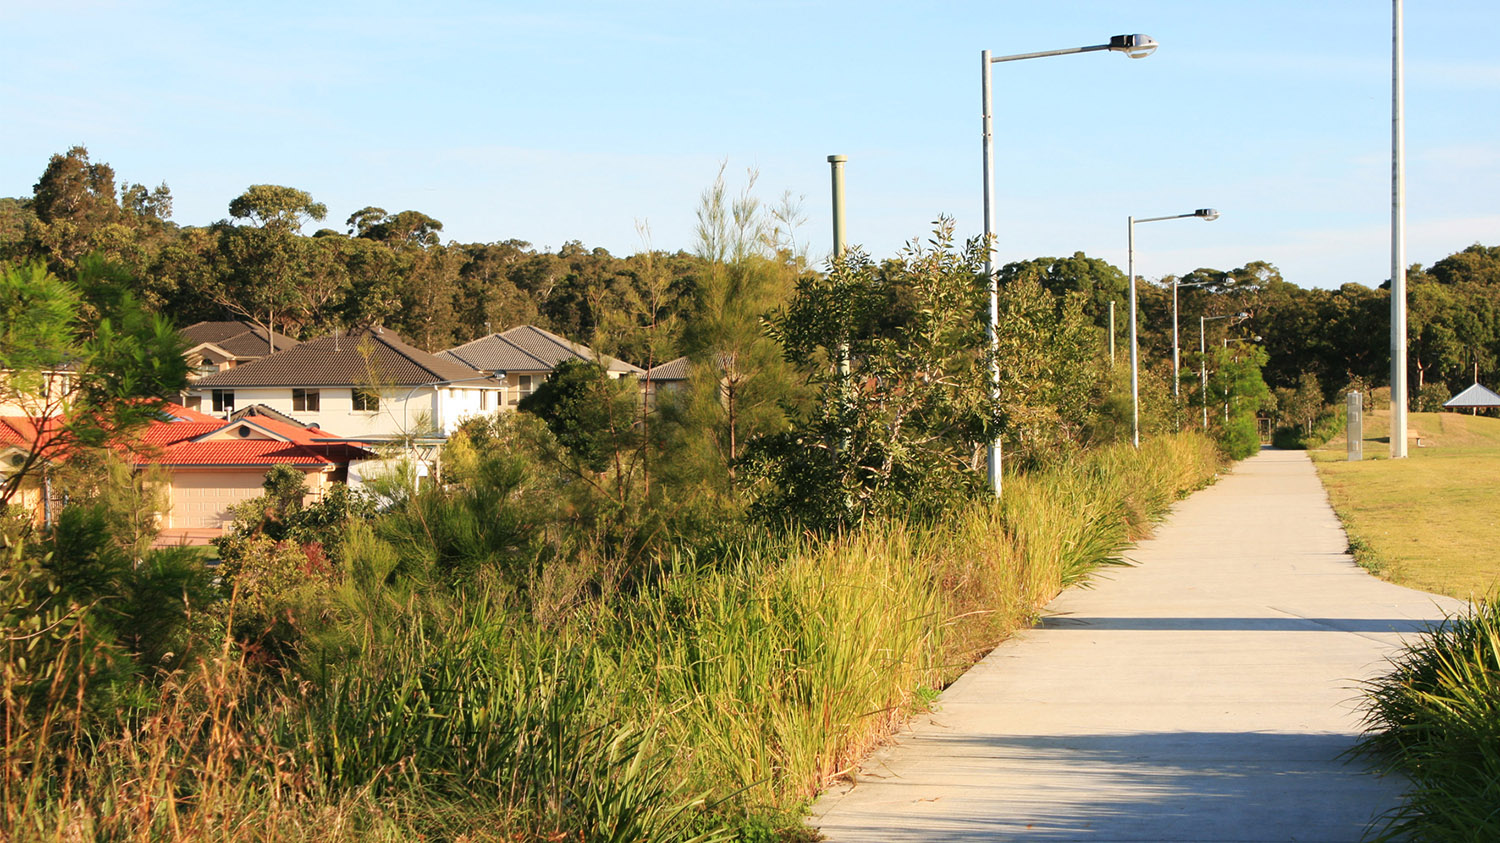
x=1112, y=336
x=1203, y=367
x=1176, y=369
x=1135, y=375
x=836, y=166
x=992, y=453
x=1398, y=243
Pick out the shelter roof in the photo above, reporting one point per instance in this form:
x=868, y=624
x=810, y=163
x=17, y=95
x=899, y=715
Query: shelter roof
x=1475, y=396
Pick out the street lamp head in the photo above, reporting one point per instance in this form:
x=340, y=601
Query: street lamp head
x=1207, y=213
x=1136, y=46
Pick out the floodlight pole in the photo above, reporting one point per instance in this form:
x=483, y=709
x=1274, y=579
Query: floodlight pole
x=1398, y=242
x=1135, y=46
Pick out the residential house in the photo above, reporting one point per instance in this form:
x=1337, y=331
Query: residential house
x=19, y=438
x=522, y=357
x=369, y=385
x=666, y=377
x=215, y=463
x=219, y=346
x=212, y=463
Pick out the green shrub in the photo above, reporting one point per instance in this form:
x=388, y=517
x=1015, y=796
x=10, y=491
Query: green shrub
x=1328, y=425
x=1436, y=718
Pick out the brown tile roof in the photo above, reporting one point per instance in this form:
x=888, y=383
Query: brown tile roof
x=494, y=353
x=529, y=348
x=241, y=339
x=340, y=360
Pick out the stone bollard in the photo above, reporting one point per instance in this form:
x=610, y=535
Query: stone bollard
x=1355, y=432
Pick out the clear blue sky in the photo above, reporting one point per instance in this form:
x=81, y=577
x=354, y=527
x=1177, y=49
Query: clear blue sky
x=556, y=121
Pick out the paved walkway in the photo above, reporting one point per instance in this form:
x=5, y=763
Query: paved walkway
x=1204, y=694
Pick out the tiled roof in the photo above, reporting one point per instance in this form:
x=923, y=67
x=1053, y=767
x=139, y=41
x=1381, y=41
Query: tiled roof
x=256, y=410
x=183, y=443
x=267, y=452
x=172, y=440
x=340, y=360
x=494, y=353
x=529, y=348
x=672, y=370
x=17, y=430
x=241, y=339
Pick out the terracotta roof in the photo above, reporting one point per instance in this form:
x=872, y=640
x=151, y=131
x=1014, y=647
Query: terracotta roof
x=241, y=339
x=529, y=348
x=340, y=360
x=17, y=430
x=184, y=441
x=257, y=452
x=178, y=438
x=672, y=370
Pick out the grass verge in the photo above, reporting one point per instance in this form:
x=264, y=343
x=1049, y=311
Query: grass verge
x=1431, y=521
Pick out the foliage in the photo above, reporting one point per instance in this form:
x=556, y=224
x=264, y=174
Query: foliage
x=895, y=429
x=78, y=385
x=1435, y=717
x=1051, y=383
x=1236, y=385
x=591, y=414
x=1431, y=397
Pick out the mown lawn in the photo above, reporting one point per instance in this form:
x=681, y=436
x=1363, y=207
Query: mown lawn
x=1431, y=521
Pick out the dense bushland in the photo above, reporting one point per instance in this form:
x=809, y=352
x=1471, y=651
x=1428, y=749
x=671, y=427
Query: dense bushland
x=709, y=699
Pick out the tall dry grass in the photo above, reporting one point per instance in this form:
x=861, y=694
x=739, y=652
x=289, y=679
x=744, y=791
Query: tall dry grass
x=774, y=674
x=728, y=690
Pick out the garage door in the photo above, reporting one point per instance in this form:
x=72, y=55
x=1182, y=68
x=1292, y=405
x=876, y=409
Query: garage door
x=203, y=499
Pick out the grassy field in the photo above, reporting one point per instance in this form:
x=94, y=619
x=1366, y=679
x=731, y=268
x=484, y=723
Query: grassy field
x=1432, y=521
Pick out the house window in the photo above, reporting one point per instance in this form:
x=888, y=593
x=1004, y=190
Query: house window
x=484, y=399
x=525, y=382
x=223, y=400
x=304, y=400
x=366, y=400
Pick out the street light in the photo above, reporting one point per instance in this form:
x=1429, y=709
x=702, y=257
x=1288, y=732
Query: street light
x=1207, y=214
x=1203, y=355
x=1229, y=281
x=1135, y=46
x=1227, y=341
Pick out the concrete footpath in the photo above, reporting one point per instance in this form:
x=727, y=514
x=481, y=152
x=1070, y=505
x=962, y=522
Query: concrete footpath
x=1203, y=694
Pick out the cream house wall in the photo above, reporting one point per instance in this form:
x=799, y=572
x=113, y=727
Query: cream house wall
x=401, y=410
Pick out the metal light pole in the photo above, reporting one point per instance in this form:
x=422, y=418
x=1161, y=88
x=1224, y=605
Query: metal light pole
x=1176, y=285
x=1135, y=46
x=1203, y=355
x=1398, y=242
x=1135, y=369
